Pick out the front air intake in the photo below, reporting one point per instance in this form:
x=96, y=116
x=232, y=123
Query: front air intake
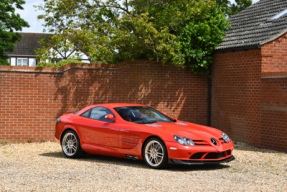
x=214, y=155
x=197, y=156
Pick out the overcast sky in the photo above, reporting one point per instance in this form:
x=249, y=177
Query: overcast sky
x=30, y=15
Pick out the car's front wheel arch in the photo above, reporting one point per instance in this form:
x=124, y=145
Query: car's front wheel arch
x=147, y=140
x=63, y=133
x=72, y=144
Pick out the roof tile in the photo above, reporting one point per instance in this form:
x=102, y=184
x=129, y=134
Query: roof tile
x=249, y=27
x=28, y=44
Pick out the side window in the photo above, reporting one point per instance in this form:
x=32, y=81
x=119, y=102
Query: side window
x=86, y=114
x=99, y=113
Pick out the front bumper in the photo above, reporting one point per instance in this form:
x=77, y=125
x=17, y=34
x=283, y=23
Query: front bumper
x=199, y=153
x=202, y=162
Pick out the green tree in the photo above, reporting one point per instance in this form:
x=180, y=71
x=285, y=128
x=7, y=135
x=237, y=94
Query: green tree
x=230, y=9
x=182, y=32
x=9, y=21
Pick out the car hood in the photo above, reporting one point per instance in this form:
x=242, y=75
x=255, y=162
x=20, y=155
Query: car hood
x=185, y=129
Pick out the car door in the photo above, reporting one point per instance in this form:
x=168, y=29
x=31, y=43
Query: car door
x=97, y=129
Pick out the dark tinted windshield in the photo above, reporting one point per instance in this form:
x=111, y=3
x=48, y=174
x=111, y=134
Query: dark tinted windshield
x=142, y=115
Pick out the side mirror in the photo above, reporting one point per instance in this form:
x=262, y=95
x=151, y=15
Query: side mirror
x=164, y=113
x=110, y=117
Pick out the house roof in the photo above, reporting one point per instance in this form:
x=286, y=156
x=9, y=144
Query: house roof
x=251, y=29
x=28, y=44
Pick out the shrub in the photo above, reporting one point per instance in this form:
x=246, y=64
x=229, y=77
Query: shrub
x=59, y=64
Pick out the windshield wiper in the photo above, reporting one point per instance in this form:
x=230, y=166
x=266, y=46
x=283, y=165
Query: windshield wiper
x=151, y=121
x=146, y=122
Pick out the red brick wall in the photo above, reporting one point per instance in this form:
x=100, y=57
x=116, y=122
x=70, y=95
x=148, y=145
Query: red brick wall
x=274, y=57
x=236, y=87
x=274, y=94
x=31, y=100
x=249, y=95
x=274, y=113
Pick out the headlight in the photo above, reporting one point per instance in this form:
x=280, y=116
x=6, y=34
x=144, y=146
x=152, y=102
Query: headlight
x=58, y=121
x=225, y=138
x=179, y=140
x=189, y=141
x=183, y=141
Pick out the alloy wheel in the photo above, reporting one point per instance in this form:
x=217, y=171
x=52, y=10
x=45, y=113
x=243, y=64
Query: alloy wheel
x=154, y=153
x=69, y=144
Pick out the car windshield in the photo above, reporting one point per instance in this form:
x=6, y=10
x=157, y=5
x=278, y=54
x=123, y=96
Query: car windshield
x=142, y=115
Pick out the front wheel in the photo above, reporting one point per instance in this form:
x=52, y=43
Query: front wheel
x=155, y=153
x=71, y=145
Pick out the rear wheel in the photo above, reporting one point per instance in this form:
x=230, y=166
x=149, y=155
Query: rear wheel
x=155, y=153
x=71, y=145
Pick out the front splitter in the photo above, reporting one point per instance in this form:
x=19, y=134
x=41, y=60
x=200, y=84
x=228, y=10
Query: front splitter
x=189, y=162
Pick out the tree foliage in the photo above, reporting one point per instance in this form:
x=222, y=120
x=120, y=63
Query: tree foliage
x=181, y=32
x=9, y=21
x=233, y=8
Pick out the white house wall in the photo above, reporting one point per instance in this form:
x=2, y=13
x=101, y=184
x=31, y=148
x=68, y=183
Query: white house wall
x=32, y=62
x=13, y=61
x=83, y=56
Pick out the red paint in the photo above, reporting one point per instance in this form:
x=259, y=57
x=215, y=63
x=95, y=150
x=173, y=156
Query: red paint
x=120, y=138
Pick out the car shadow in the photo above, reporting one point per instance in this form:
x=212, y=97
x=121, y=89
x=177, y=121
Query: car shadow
x=137, y=163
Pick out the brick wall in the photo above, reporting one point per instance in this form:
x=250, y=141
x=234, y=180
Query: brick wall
x=31, y=100
x=274, y=113
x=249, y=95
x=236, y=87
x=274, y=57
x=274, y=94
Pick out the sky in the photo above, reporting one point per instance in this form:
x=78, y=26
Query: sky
x=29, y=14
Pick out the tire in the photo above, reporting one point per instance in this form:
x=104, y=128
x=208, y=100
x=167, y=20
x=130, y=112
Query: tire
x=71, y=145
x=155, y=153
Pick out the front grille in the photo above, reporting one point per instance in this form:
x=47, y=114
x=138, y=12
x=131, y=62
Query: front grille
x=197, y=155
x=202, y=142
x=214, y=155
x=199, y=142
x=221, y=140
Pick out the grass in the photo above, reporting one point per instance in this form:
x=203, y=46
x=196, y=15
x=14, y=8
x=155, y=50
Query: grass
x=5, y=143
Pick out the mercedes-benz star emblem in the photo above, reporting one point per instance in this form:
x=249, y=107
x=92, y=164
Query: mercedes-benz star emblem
x=213, y=141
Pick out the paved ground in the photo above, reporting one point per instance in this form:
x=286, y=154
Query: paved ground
x=43, y=167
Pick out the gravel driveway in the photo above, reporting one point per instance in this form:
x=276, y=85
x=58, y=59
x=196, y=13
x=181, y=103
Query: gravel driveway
x=43, y=167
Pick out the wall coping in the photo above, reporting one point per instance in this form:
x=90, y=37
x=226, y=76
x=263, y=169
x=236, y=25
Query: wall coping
x=265, y=75
x=73, y=66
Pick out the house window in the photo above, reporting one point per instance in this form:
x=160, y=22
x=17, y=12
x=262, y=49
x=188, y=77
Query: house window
x=9, y=60
x=22, y=62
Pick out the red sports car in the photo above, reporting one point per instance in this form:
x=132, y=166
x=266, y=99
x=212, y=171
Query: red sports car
x=137, y=131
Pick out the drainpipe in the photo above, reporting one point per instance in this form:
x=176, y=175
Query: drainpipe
x=209, y=98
